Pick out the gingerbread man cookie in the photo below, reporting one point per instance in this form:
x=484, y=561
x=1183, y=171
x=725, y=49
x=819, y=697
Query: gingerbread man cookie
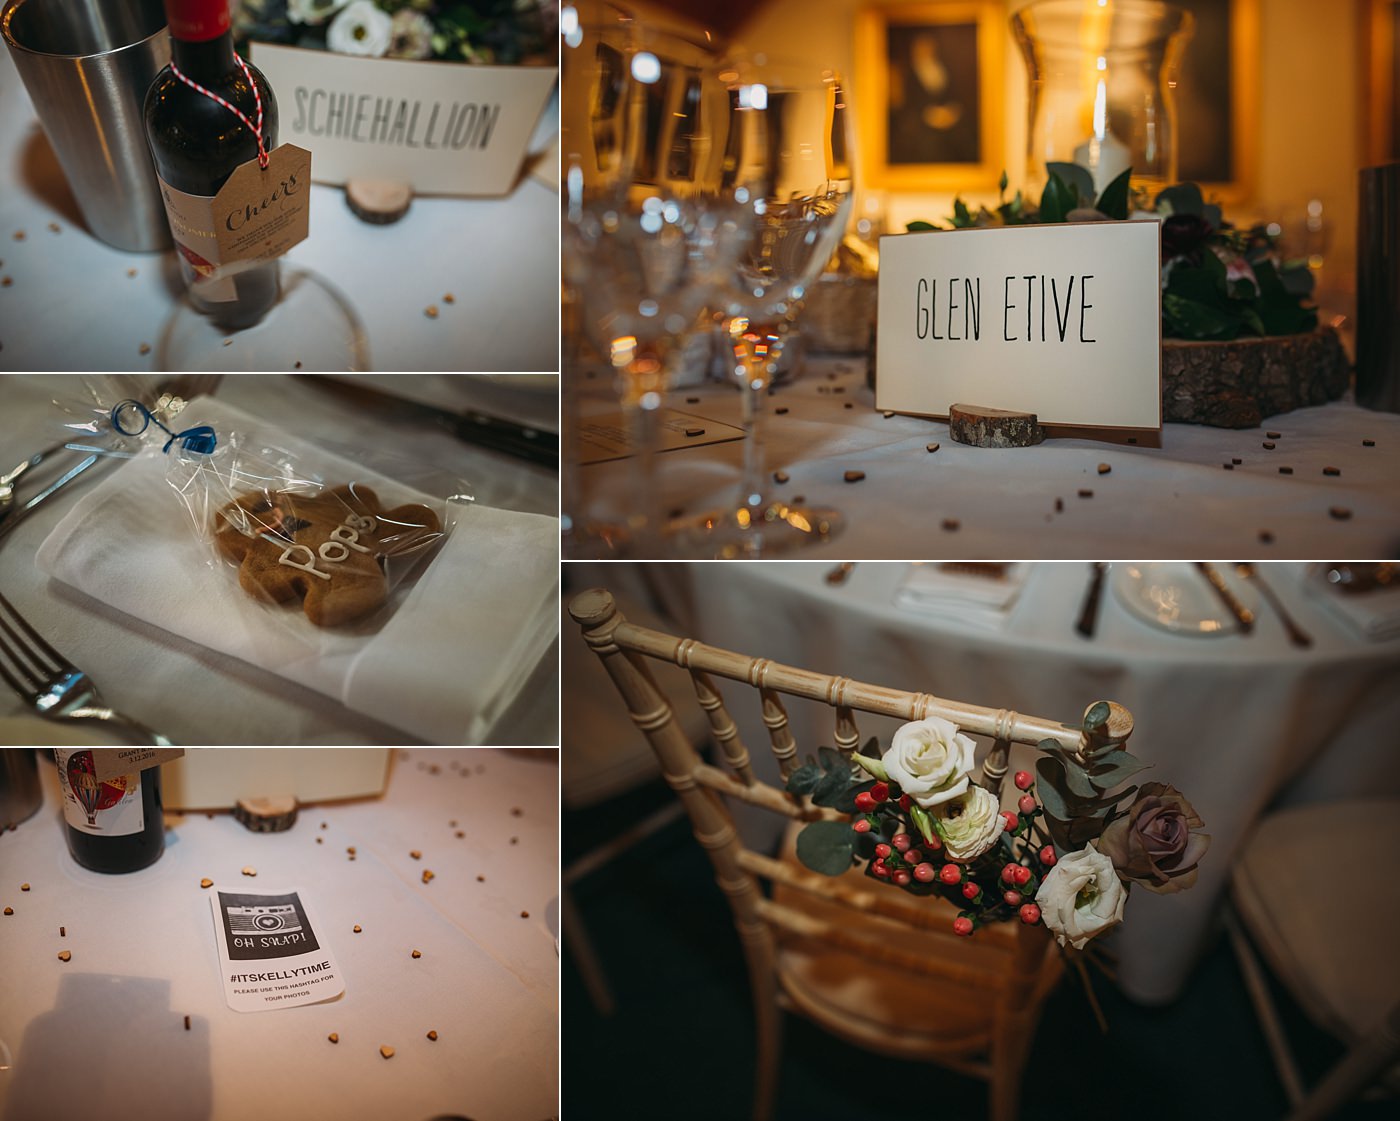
x=328, y=550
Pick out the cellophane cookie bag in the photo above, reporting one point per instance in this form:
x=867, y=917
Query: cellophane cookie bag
x=319, y=539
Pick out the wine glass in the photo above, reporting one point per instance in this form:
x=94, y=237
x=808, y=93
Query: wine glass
x=647, y=259
x=597, y=41
x=799, y=143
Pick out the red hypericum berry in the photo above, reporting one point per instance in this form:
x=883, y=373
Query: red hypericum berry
x=882, y=850
x=914, y=856
x=962, y=926
x=880, y=791
x=1030, y=914
x=878, y=867
x=901, y=842
x=1047, y=856
x=925, y=872
x=1009, y=873
x=1012, y=821
x=1024, y=781
x=864, y=801
x=860, y=825
x=905, y=802
x=950, y=874
x=902, y=878
x=1023, y=875
x=1013, y=898
x=971, y=890
x=1026, y=805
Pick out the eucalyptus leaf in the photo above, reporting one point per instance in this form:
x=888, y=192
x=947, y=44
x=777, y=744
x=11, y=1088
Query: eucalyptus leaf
x=918, y=225
x=1055, y=747
x=1052, y=786
x=1182, y=198
x=1079, y=179
x=826, y=847
x=871, y=747
x=1057, y=200
x=804, y=780
x=844, y=800
x=1121, y=768
x=1096, y=716
x=1114, y=199
x=1077, y=779
x=830, y=788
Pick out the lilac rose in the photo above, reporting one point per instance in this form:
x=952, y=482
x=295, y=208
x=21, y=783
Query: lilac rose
x=1156, y=845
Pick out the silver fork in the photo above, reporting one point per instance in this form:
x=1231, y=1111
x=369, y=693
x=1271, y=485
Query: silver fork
x=54, y=687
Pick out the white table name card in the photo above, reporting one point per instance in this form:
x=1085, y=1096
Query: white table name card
x=1062, y=321
x=445, y=127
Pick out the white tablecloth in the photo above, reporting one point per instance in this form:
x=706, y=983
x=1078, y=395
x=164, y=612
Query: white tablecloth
x=72, y=306
x=1176, y=500
x=187, y=691
x=102, y=1036
x=1233, y=722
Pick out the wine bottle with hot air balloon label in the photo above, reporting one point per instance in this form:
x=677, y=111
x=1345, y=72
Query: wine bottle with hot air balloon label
x=113, y=824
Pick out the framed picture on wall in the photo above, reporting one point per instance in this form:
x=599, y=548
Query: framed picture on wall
x=1217, y=98
x=1380, y=27
x=929, y=93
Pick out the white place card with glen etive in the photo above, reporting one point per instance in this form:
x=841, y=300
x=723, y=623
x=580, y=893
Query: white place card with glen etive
x=1060, y=320
x=445, y=127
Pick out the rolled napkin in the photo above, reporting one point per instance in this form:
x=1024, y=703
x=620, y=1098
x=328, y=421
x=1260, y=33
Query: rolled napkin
x=452, y=656
x=978, y=594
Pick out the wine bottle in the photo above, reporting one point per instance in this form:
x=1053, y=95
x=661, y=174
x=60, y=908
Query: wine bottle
x=115, y=825
x=196, y=143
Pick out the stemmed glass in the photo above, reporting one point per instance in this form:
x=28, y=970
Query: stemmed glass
x=798, y=142
x=646, y=253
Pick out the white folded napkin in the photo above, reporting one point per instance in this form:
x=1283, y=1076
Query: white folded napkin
x=1375, y=614
x=954, y=593
x=450, y=659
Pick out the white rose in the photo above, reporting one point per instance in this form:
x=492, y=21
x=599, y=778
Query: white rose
x=361, y=28
x=930, y=760
x=312, y=11
x=1081, y=897
x=969, y=824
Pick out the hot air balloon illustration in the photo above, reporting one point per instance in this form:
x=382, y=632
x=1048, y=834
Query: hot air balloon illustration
x=92, y=795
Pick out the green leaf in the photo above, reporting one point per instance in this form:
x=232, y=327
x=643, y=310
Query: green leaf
x=1096, y=716
x=1001, y=183
x=1120, y=768
x=871, y=747
x=830, y=788
x=1078, y=179
x=1077, y=779
x=1190, y=319
x=804, y=779
x=1057, y=200
x=916, y=226
x=844, y=800
x=1183, y=198
x=1211, y=213
x=1114, y=199
x=831, y=759
x=1055, y=747
x=962, y=217
x=1052, y=786
x=827, y=847
x=922, y=822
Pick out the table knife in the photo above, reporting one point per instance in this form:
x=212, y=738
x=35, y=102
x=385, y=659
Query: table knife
x=1089, y=611
x=1243, y=616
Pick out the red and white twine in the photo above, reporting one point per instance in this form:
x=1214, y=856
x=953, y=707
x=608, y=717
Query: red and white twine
x=257, y=129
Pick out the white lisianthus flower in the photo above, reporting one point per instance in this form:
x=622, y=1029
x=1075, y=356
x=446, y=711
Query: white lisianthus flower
x=969, y=824
x=412, y=35
x=1081, y=897
x=930, y=760
x=312, y=11
x=362, y=29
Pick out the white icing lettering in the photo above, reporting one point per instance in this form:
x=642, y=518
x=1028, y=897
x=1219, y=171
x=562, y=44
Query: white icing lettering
x=309, y=566
x=346, y=536
x=328, y=546
x=362, y=522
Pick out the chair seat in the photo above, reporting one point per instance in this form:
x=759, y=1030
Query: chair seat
x=1313, y=888
x=886, y=1006
x=604, y=753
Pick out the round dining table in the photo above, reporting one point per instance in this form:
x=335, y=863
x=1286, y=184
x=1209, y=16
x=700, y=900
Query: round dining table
x=159, y=653
x=1317, y=482
x=114, y=1001
x=1239, y=722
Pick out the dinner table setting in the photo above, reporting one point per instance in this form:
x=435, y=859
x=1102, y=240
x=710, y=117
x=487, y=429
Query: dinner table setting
x=1249, y=686
x=429, y=877
x=116, y=574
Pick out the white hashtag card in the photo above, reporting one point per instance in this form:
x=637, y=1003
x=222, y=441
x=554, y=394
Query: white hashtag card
x=270, y=951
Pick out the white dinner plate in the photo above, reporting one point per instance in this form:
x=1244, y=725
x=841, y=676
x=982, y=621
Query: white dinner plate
x=1177, y=597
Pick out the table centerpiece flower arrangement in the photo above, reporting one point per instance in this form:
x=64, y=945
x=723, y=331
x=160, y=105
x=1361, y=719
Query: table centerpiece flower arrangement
x=1221, y=285
x=1066, y=857
x=500, y=32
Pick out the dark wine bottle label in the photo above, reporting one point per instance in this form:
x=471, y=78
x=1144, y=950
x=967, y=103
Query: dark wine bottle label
x=107, y=808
